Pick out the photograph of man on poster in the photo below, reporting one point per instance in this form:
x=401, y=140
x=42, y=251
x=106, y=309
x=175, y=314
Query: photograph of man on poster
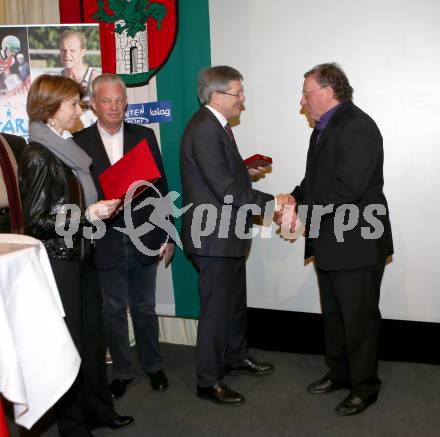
x=72, y=56
x=70, y=51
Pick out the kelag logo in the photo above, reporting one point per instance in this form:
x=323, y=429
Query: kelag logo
x=151, y=112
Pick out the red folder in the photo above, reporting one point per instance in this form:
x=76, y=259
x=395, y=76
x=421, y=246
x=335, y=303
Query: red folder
x=258, y=160
x=3, y=425
x=136, y=165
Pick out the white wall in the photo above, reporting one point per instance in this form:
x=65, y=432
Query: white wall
x=391, y=53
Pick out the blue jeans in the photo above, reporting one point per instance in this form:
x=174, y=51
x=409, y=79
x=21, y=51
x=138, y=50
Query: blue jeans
x=131, y=285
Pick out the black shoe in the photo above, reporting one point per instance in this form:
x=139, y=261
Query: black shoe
x=118, y=387
x=325, y=385
x=353, y=404
x=158, y=380
x=252, y=367
x=221, y=394
x=117, y=422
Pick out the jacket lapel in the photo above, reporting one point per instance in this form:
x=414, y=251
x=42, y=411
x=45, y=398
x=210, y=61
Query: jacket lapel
x=101, y=159
x=334, y=121
x=312, y=147
x=214, y=119
x=129, y=139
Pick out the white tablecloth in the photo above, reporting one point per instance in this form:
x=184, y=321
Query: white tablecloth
x=38, y=360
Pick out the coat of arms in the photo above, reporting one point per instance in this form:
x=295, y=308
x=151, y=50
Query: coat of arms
x=136, y=36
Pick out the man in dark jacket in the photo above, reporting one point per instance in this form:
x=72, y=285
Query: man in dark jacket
x=216, y=231
x=127, y=275
x=348, y=233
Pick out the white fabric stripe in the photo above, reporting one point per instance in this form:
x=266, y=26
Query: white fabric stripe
x=164, y=285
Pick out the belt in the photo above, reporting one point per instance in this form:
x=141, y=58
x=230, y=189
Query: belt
x=4, y=211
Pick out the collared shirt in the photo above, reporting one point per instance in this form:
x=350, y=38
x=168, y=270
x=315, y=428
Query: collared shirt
x=325, y=119
x=66, y=134
x=218, y=115
x=113, y=143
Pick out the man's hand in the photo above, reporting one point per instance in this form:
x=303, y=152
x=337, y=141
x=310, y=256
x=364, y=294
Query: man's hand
x=290, y=225
x=286, y=218
x=258, y=171
x=285, y=199
x=281, y=200
x=285, y=215
x=167, y=252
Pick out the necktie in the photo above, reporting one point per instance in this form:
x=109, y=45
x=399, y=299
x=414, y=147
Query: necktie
x=230, y=134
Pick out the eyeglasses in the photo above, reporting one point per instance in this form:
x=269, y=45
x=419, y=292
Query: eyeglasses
x=237, y=94
x=307, y=93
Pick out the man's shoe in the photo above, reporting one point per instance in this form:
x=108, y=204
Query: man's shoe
x=158, y=380
x=325, y=385
x=117, y=422
x=252, y=367
x=120, y=421
x=221, y=394
x=118, y=387
x=353, y=404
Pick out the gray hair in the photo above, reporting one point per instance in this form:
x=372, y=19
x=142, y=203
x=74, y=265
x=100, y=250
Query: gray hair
x=107, y=78
x=332, y=75
x=215, y=79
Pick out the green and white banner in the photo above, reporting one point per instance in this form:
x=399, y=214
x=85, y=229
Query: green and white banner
x=177, y=81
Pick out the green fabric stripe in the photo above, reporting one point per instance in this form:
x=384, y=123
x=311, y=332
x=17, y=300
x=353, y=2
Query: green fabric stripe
x=177, y=81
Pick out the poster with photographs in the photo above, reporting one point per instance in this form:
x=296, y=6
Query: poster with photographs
x=14, y=80
x=29, y=51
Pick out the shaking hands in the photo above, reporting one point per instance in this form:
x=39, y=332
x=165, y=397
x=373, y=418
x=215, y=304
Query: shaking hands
x=286, y=217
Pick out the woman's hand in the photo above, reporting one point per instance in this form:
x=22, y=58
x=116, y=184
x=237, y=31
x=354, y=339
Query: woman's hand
x=103, y=209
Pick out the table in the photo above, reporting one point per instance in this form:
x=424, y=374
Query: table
x=38, y=360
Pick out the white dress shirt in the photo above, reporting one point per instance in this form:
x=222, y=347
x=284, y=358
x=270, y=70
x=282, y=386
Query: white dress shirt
x=113, y=143
x=65, y=135
x=218, y=115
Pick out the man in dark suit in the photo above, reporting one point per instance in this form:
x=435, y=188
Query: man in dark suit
x=348, y=233
x=127, y=275
x=215, y=231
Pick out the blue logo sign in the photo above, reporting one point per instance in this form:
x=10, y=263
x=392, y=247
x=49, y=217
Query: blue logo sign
x=151, y=112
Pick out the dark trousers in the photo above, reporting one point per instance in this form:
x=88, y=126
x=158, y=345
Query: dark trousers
x=131, y=285
x=88, y=401
x=352, y=321
x=221, y=332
